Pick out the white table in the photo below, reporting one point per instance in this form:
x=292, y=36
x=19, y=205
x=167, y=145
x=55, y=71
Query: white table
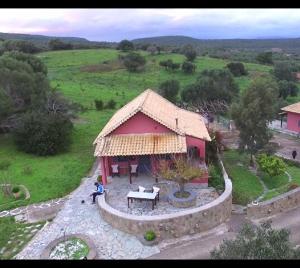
x=142, y=196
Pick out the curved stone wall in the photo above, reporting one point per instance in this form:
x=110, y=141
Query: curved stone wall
x=176, y=224
x=275, y=205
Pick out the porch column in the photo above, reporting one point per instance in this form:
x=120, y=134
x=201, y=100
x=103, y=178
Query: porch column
x=103, y=170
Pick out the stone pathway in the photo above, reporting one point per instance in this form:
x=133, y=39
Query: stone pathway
x=77, y=217
x=26, y=211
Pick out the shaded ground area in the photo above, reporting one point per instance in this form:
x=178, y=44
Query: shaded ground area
x=120, y=187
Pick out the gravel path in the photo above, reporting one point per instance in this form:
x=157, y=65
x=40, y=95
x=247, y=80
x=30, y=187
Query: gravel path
x=85, y=218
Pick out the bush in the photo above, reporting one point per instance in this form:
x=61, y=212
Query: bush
x=134, y=62
x=125, y=45
x=4, y=165
x=111, y=104
x=43, y=134
x=149, y=236
x=16, y=189
x=99, y=105
x=188, y=67
x=169, y=89
x=216, y=178
x=272, y=165
x=237, y=68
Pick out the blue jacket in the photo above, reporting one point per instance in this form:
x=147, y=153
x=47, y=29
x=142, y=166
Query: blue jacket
x=100, y=189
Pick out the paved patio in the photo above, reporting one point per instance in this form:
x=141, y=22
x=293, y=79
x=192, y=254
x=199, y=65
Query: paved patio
x=119, y=187
x=76, y=217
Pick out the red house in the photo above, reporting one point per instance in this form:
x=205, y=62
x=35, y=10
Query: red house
x=147, y=130
x=293, y=116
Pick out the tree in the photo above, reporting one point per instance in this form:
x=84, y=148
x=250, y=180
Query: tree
x=236, y=68
x=287, y=88
x=57, y=44
x=43, y=133
x=189, y=52
x=20, y=45
x=99, y=105
x=253, y=112
x=211, y=85
x=152, y=49
x=284, y=71
x=169, y=89
x=265, y=58
x=188, y=67
x=134, y=62
x=125, y=46
x=272, y=165
x=182, y=171
x=262, y=242
x=169, y=64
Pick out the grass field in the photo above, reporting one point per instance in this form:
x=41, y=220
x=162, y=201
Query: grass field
x=56, y=176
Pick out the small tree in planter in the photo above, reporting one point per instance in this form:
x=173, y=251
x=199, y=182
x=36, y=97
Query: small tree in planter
x=16, y=191
x=182, y=171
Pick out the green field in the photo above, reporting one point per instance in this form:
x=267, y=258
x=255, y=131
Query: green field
x=56, y=176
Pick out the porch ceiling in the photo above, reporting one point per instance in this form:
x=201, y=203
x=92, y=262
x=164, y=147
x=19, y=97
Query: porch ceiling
x=141, y=144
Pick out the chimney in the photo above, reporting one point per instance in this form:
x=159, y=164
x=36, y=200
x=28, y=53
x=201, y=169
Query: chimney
x=176, y=119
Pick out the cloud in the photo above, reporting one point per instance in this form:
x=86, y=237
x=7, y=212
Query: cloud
x=118, y=24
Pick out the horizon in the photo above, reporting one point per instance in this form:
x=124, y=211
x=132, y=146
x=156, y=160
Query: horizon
x=108, y=24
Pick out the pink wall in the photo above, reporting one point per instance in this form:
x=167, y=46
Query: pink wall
x=140, y=123
x=292, y=122
x=200, y=144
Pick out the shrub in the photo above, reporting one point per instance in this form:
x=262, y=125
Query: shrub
x=16, y=189
x=272, y=165
x=169, y=89
x=99, y=105
x=27, y=170
x=216, y=178
x=4, y=165
x=188, y=67
x=111, y=104
x=237, y=68
x=134, y=62
x=43, y=134
x=149, y=236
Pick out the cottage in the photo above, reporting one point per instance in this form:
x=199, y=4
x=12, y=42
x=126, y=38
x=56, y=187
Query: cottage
x=147, y=130
x=293, y=116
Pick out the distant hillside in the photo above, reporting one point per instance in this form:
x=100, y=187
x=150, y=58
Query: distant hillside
x=42, y=40
x=288, y=44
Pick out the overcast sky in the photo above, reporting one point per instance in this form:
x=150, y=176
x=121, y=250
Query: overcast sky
x=118, y=24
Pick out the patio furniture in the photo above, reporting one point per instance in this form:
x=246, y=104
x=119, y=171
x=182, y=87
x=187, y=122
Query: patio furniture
x=115, y=170
x=156, y=191
x=133, y=169
x=142, y=196
x=142, y=189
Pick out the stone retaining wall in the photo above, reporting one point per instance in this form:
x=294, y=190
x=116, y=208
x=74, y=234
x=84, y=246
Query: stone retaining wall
x=275, y=205
x=176, y=224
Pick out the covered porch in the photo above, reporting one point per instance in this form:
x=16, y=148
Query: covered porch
x=137, y=155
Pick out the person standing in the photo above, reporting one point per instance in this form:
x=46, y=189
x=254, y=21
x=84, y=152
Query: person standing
x=294, y=154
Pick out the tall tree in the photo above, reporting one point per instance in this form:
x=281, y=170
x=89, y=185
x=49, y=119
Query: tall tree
x=134, y=62
x=284, y=71
x=253, y=112
x=125, y=45
x=265, y=58
x=189, y=52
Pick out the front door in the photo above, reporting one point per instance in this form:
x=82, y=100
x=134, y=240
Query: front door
x=144, y=164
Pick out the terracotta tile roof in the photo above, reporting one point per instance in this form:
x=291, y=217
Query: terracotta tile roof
x=294, y=108
x=162, y=111
x=141, y=144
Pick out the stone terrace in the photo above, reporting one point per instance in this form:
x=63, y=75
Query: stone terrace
x=118, y=188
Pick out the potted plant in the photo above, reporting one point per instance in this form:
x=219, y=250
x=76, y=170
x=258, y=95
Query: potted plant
x=16, y=191
x=149, y=238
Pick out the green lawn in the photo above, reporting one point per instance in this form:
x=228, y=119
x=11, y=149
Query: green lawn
x=17, y=233
x=246, y=186
x=275, y=182
x=55, y=176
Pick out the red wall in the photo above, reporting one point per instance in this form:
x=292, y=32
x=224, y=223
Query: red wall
x=140, y=123
x=292, y=121
x=191, y=141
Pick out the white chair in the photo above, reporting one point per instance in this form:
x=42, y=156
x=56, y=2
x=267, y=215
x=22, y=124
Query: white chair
x=115, y=170
x=142, y=189
x=133, y=169
x=156, y=190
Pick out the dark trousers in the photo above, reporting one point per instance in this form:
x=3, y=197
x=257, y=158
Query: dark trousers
x=94, y=196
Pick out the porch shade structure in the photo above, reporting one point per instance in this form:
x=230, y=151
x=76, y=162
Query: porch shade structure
x=141, y=144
